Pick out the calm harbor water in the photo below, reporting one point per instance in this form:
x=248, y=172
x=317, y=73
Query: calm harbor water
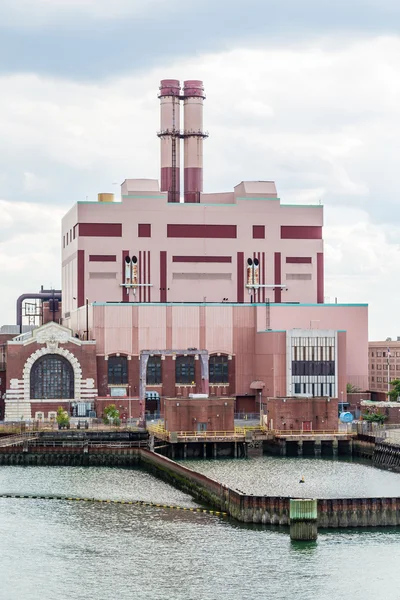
x=74, y=550
x=324, y=478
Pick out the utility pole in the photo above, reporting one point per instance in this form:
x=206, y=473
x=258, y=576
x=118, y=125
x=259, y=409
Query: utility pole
x=87, y=319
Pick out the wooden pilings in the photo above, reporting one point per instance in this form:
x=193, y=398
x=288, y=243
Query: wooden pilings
x=387, y=456
x=303, y=519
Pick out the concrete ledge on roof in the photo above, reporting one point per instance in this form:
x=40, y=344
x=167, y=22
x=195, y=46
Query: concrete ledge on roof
x=256, y=188
x=146, y=186
x=236, y=304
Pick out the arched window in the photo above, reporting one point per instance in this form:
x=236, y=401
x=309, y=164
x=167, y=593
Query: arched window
x=218, y=369
x=52, y=376
x=184, y=370
x=117, y=370
x=153, y=375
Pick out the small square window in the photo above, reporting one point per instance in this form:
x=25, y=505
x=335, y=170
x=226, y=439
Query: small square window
x=144, y=230
x=258, y=232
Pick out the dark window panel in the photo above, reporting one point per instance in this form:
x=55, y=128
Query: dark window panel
x=153, y=375
x=117, y=370
x=218, y=369
x=184, y=370
x=52, y=377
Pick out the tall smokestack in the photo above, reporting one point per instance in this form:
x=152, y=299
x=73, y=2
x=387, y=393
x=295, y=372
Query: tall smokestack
x=193, y=95
x=169, y=135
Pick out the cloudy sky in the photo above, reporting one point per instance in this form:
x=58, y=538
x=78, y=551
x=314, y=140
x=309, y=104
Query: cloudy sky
x=305, y=93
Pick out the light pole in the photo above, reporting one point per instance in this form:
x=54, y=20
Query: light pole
x=87, y=319
x=342, y=401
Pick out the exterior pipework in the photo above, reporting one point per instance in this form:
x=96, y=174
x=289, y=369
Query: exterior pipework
x=44, y=295
x=193, y=96
x=169, y=135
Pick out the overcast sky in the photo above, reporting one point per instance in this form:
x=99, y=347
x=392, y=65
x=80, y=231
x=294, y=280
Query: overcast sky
x=304, y=93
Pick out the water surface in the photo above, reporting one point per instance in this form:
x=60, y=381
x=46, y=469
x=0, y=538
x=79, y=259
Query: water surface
x=324, y=478
x=52, y=549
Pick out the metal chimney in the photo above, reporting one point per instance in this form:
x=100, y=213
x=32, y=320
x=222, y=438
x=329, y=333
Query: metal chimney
x=193, y=97
x=169, y=135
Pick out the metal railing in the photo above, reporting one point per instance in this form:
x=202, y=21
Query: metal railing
x=18, y=427
x=159, y=431
x=289, y=432
x=244, y=416
x=48, y=443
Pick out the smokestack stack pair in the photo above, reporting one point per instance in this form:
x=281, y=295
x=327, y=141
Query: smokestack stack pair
x=171, y=135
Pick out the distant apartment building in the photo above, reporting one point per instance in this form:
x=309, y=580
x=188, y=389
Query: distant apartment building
x=383, y=365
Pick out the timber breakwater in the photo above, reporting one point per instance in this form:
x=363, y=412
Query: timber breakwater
x=386, y=455
x=247, y=508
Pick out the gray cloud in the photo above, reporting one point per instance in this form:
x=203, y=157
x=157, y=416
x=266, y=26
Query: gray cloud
x=95, y=39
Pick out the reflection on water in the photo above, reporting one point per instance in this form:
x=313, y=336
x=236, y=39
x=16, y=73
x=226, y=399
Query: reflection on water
x=94, y=482
x=76, y=550
x=324, y=478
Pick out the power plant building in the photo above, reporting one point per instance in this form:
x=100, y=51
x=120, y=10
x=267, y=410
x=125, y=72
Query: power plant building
x=236, y=277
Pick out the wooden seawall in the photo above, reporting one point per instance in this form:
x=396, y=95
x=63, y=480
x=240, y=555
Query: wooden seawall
x=387, y=456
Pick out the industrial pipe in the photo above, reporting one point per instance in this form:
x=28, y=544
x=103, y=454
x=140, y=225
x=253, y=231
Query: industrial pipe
x=47, y=295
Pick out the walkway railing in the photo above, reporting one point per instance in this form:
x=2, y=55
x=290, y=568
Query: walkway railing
x=160, y=432
x=292, y=432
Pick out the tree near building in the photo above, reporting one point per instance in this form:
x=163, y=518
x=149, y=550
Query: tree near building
x=111, y=415
x=62, y=418
x=374, y=417
x=395, y=391
x=352, y=389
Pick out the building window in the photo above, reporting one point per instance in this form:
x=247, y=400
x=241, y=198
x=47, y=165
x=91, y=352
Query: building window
x=258, y=232
x=379, y=379
x=184, y=370
x=153, y=374
x=379, y=353
x=372, y=378
x=117, y=370
x=372, y=367
x=379, y=367
x=310, y=368
x=297, y=388
x=372, y=354
x=52, y=377
x=218, y=369
x=144, y=230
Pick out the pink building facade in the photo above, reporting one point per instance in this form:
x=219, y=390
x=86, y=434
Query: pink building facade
x=193, y=252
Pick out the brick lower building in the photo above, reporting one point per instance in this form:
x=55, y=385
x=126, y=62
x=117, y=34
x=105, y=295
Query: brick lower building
x=48, y=368
x=301, y=414
x=199, y=414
